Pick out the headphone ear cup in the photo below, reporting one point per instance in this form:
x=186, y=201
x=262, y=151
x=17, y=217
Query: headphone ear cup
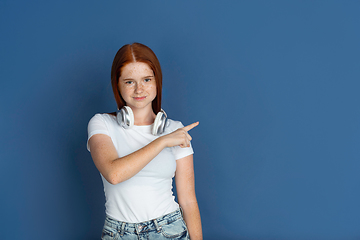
x=125, y=117
x=159, y=123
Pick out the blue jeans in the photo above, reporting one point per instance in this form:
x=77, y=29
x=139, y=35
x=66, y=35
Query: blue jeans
x=169, y=226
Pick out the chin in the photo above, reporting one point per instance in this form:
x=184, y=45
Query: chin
x=139, y=106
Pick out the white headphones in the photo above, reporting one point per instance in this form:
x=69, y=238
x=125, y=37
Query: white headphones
x=125, y=118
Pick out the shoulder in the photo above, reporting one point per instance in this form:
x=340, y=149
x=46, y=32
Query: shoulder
x=173, y=125
x=103, y=117
x=102, y=121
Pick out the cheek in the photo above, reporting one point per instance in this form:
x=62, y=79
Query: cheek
x=153, y=89
x=124, y=92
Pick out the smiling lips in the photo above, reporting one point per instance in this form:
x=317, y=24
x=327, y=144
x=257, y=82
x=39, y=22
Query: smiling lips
x=139, y=98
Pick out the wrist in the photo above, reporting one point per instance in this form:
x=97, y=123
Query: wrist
x=161, y=142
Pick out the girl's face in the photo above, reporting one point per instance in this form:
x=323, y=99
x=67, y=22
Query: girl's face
x=137, y=85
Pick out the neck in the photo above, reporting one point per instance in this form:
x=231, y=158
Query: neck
x=144, y=116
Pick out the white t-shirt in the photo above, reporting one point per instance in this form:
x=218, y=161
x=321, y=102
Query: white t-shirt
x=148, y=194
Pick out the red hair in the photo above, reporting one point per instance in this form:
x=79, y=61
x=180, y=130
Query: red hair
x=136, y=52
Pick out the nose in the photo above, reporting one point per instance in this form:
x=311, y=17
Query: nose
x=139, y=88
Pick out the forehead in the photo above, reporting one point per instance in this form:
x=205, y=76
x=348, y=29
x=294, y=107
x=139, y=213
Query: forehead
x=136, y=69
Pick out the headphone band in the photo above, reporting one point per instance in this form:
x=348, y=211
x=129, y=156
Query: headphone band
x=125, y=118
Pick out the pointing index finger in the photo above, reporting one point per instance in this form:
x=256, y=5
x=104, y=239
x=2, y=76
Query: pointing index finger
x=191, y=126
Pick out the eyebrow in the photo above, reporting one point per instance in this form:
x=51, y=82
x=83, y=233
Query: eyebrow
x=126, y=79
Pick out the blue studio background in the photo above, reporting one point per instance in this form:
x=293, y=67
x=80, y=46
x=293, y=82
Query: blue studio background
x=274, y=84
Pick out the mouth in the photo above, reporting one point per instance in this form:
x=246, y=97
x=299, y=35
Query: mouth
x=139, y=98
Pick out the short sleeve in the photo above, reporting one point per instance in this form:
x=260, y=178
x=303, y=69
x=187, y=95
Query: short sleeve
x=178, y=151
x=96, y=126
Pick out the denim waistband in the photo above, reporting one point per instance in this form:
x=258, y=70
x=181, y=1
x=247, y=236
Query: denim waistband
x=146, y=226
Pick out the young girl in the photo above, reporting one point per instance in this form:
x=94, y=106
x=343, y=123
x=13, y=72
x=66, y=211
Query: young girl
x=138, y=151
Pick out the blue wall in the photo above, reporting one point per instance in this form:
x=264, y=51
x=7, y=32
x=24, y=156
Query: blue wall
x=274, y=84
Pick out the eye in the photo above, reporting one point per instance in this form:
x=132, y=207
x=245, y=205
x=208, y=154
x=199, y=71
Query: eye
x=128, y=82
x=147, y=79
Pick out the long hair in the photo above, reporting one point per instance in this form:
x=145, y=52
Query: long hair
x=136, y=52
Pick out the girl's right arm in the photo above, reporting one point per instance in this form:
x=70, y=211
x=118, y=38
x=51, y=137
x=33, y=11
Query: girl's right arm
x=116, y=170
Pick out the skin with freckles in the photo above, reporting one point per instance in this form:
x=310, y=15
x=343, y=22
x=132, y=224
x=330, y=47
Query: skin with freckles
x=137, y=86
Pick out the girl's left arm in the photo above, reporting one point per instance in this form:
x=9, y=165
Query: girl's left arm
x=185, y=187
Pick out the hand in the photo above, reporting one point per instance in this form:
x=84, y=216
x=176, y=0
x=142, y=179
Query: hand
x=180, y=137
